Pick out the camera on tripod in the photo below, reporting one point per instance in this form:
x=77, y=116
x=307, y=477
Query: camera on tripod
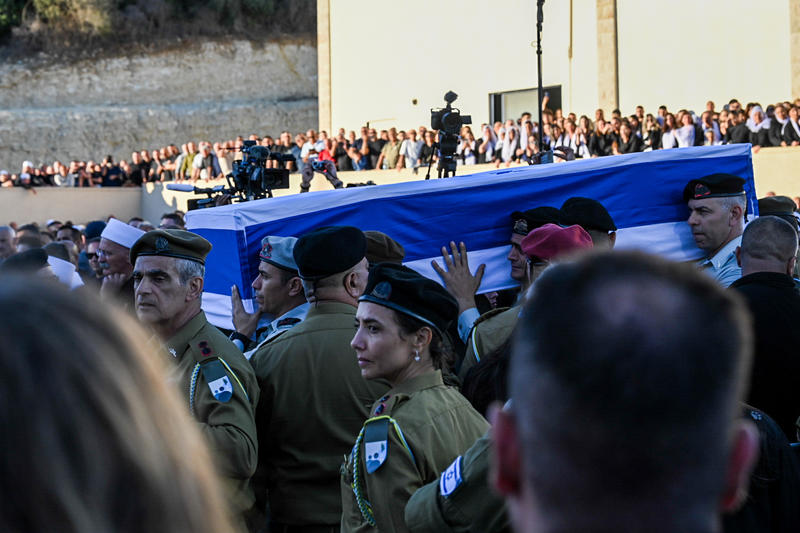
x=448, y=121
x=251, y=178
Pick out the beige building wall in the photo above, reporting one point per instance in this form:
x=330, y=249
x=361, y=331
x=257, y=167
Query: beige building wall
x=682, y=53
x=384, y=55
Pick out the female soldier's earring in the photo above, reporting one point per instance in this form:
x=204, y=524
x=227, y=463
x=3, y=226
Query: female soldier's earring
x=416, y=355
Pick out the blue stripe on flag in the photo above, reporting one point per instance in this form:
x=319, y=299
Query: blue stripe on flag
x=640, y=191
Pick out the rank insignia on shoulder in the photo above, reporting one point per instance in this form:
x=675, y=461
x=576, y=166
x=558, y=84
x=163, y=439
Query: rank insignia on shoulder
x=288, y=322
x=376, y=444
x=451, y=478
x=218, y=380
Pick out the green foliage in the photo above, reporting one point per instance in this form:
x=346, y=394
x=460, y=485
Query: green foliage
x=10, y=14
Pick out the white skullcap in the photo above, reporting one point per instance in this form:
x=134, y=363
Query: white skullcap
x=65, y=272
x=121, y=233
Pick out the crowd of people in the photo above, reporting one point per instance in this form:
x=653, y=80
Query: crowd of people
x=639, y=394
x=502, y=143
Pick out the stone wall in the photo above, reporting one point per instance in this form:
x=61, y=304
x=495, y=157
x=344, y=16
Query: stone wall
x=212, y=91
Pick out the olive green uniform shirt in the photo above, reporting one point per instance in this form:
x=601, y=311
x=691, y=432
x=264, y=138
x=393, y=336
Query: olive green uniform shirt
x=430, y=425
x=489, y=333
x=229, y=427
x=313, y=402
x=461, y=501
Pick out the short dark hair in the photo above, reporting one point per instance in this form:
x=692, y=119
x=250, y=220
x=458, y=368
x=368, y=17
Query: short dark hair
x=75, y=233
x=30, y=240
x=135, y=219
x=624, y=379
x=174, y=217
x=770, y=238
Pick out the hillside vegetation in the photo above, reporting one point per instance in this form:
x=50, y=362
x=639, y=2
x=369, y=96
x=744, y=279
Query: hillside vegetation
x=81, y=27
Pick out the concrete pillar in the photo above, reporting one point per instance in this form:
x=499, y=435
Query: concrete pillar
x=607, y=63
x=794, y=45
x=324, y=65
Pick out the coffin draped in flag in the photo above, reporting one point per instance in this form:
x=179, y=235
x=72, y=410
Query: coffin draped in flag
x=642, y=192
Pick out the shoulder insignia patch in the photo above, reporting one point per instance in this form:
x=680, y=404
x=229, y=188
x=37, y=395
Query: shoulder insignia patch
x=376, y=443
x=451, y=478
x=218, y=380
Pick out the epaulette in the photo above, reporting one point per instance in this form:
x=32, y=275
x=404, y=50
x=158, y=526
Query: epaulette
x=489, y=314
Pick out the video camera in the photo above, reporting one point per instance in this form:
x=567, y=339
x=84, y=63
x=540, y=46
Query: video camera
x=448, y=121
x=250, y=177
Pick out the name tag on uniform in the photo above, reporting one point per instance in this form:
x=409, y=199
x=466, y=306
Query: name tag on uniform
x=451, y=478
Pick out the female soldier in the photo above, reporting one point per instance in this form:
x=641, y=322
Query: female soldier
x=421, y=425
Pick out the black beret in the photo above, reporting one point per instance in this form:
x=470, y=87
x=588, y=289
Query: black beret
x=27, y=262
x=383, y=249
x=328, y=251
x=586, y=213
x=177, y=243
x=779, y=206
x=406, y=291
x=713, y=186
x=527, y=221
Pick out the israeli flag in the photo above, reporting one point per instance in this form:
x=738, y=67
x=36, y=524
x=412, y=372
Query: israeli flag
x=643, y=192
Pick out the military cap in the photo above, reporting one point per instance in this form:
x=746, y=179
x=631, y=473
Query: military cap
x=551, y=241
x=778, y=206
x=586, y=213
x=94, y=229
x=177, y=243
x=27, y=262
x=406, y=291
x=277, y=251
x=525, y=221
x=328, y=251
x=383, y=249
x=713, y=186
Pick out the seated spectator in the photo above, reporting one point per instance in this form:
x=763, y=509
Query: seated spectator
x=668, y=138
x=651, y=138
x=628, y=142
x=777, y=124
x=759, y=127
x=466, y=150
x=410, y=150
x=685, y=134
x=738, y=132
x=152, y=470
x=487, y=146
x=791, y=133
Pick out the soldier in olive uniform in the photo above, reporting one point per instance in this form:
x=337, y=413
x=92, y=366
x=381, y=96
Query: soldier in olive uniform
x=461, y=500
x=421, y=425
x=497, y=323
x=215, y=379
x=313, y=398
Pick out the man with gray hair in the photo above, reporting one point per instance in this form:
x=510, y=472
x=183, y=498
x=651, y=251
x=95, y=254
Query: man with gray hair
x=169, y=267
x=767, y=257
x=716, y=218
x=625, y=381
x=7, y=245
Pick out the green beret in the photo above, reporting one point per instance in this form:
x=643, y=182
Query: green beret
x=328, y=251
x=383, y=249
x=713, y=186
x=586, y=213
x=527, y=221
x=177, y=243
x=406, y=291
